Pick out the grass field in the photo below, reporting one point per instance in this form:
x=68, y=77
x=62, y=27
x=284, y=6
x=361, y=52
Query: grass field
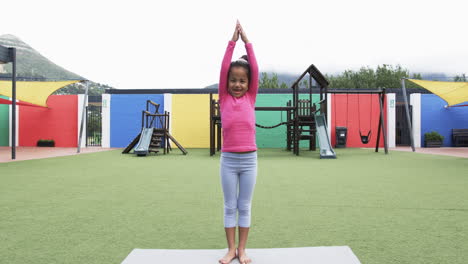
x=95, y=208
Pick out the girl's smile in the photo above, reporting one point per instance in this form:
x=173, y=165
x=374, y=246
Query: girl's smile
x=238, y=83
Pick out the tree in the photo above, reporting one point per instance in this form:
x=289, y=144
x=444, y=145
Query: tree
x=267, y=82
x=460, y=78
x=76, y=88
x=385, y=76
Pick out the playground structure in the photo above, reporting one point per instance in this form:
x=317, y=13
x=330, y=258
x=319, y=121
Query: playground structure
x=306, y=120
x=154, y=133
x=302, y=123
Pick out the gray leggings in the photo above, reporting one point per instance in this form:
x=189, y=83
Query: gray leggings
x=238, y=176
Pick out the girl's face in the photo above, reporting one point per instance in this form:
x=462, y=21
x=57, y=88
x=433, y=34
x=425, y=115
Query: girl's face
x=238, y=82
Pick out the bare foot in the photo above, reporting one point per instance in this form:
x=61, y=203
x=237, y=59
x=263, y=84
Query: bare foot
x=230, y=255
x=243, y=259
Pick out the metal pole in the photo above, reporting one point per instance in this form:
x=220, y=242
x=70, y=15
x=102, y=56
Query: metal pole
x=13, y=103
x=407, y=113
x=83, y=116
x=382, y=123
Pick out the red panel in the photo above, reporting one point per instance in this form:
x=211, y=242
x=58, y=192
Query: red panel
x=357, y=112
x=58, y=122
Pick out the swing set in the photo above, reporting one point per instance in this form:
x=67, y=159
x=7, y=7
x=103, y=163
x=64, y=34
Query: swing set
x=364, y=134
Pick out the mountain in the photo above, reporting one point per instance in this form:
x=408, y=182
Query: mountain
x=31, y=64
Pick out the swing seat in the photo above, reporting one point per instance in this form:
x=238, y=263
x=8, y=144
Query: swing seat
x=365, y=138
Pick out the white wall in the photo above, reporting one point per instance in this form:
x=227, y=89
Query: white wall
x=80, y=113
x=168, y=108
x=391, y=119
x=415, y=102
x=106, y=106
x=11, y=124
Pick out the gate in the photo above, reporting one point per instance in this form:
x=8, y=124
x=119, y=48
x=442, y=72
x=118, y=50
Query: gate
x=402, y=133
x=93, y=125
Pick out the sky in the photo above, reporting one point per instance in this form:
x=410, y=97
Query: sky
x=180, y=44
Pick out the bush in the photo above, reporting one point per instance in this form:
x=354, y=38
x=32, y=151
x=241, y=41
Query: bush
x=433, y=136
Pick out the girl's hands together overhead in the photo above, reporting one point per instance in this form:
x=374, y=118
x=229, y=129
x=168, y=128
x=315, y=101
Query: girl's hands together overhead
x=239, y=31
x=242, y=34
x=235, y=36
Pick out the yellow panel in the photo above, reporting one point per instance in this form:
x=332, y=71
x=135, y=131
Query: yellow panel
x=191, y=119
x=33, y=92
x=452, y=92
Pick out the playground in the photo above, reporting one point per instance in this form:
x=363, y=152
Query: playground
x=334, y=171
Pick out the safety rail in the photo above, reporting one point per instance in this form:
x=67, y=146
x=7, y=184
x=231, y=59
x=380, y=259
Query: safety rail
x=162, y=118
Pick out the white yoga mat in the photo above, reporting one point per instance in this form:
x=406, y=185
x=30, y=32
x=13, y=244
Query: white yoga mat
x=309, y=255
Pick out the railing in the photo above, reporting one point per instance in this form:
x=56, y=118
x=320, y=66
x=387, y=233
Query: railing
x=93, y=126
x=158, y=121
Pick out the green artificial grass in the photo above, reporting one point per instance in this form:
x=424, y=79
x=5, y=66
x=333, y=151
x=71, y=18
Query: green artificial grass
x=95, y=208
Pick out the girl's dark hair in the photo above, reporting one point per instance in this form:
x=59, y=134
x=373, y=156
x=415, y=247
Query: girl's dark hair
x=242, y=62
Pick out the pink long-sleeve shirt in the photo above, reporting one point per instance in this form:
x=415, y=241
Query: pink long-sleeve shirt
x=238, y=114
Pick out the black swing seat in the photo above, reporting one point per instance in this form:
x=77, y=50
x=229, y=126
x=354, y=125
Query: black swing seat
x=365, y=138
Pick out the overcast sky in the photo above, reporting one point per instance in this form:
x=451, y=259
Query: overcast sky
x=180, y=44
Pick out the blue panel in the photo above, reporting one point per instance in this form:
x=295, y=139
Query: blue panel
x=125, y=119
x=434, y=117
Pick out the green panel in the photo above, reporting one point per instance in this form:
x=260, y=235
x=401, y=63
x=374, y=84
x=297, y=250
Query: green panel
x=275, y=137
x=4, y=124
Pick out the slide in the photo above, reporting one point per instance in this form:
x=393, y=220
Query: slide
x=142, y=148
x=326, y=150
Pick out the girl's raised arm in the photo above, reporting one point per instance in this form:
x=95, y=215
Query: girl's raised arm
x=223, y=78
x=253, y=84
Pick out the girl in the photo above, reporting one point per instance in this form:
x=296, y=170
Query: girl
x=238, y=88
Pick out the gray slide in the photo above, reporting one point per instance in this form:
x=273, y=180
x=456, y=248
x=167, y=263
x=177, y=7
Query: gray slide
x=142, y=148
x=326, y=150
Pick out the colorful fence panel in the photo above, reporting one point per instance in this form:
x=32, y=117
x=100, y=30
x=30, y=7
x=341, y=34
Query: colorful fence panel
x=275, y=137
x=191, y=119
x=57, y=122
x=435, y=117
x=357, y=112
x=4, y=123
x=125, y=119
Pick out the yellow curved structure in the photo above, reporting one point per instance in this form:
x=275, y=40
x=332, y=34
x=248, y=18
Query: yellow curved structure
x=452, y=92
x=33, y=92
